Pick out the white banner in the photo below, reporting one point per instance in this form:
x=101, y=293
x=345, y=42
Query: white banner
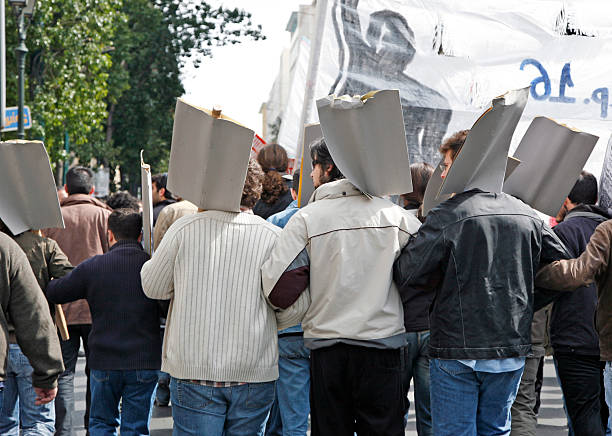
x=451, y=58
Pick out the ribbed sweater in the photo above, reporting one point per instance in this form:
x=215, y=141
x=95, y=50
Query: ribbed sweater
x=220, y=326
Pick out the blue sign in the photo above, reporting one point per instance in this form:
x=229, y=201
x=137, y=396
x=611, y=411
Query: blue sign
x=11, y=119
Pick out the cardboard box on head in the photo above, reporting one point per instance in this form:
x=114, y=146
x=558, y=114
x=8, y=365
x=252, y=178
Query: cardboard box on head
x=552, y=157
x=366, y=138
x=435, y=182
x=28, y=196
x=312, y=133
x=481, y=162
x=209, y=158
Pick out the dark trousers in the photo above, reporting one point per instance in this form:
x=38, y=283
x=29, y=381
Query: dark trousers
x=581, y=380
x=64, y=401
x=356, y=389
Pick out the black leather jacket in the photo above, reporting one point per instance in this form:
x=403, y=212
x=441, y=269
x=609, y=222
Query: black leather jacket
x=480, y=252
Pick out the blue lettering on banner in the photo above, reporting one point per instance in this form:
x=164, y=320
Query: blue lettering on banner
x=11, y=119
x=599, y=95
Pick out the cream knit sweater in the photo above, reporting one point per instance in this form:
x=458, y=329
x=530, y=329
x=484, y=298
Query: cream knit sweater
x=220, y=326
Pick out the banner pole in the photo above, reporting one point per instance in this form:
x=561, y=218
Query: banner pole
x=311, y=76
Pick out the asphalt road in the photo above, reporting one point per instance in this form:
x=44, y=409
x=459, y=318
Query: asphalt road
x=551, y=421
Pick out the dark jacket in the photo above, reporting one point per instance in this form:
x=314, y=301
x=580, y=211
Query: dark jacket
x=593, y=265
x=22, y=301
x=266, y=210
x=158, y=208
x=125, y=328
x=572, y=323
x=483, y=250
x=416, y=302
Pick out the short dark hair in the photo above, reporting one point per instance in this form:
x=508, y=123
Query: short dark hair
x=319, y=153
x=584, y=190
x=79, y=180
x=295, y=182
x=123, y=200
x=454, y=143
x=125, y=224
x=161, y=180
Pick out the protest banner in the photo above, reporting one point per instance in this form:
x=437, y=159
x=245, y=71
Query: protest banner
x=147, y=205
x=449, y=60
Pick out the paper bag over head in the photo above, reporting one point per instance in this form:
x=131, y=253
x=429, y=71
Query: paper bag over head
x=28, y=195
x=367, y=141
x=552, y=156
x=481, y=162
x=209, y=158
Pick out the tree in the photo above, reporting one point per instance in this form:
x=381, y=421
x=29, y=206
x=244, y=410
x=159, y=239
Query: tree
x=67, y=72
x=151, y=46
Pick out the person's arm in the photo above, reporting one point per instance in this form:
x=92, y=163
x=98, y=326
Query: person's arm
x=34, y=329
x=71, y=287
x=157, y=274
x=57, y=262
x=418, y=265
x=286, y=274
x=567, y=275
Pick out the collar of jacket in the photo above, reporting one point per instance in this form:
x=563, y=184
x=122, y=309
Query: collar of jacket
x=73, y=199
x=126, y=243
x=336, y=189
x=588, y=211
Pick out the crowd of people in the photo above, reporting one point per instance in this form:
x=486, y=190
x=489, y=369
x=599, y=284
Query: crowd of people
x=250, y=323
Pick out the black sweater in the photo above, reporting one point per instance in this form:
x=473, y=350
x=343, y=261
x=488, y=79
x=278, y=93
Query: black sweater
x=125, y=323
x=572, y=322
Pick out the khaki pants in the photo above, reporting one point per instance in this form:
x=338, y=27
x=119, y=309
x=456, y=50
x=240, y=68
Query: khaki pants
x=524, y=421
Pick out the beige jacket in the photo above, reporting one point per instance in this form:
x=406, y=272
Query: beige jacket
x=168, y=216
x=343, y=245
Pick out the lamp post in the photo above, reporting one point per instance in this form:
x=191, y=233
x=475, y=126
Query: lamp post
x=23, y=9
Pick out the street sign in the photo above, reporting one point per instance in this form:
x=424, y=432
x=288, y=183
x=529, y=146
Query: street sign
x=11, y=121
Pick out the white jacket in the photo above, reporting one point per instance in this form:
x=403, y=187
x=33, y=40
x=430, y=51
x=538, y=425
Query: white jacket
x=342, y=245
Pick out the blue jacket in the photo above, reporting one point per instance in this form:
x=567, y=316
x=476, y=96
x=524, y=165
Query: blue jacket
x=125, y=323
x=572, y=322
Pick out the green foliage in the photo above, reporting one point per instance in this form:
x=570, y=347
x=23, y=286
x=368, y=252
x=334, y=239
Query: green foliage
x=108, y=72
x=150, y=49
x=67, y=71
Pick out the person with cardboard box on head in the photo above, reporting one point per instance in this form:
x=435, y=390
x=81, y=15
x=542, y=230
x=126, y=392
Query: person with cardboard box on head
x=479, y=251
x=220, y=346
x=342, y=246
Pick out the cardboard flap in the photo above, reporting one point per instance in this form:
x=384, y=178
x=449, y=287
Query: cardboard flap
x=147, y=205
x=552, y=156
x=481, y=162
x=367, y=140
x=209, y=158
x=28, y=196
x=312, y=133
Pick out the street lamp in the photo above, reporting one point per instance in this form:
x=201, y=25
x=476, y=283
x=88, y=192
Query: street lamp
x=23, y=9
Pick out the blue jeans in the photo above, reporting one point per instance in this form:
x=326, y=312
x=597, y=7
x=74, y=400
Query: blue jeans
x=18, y=400
x=64, y=401
x=232, y=411
x=607, y=376
x=465, y=402
x=289, y=414
x=417, y=369
x=135, y=390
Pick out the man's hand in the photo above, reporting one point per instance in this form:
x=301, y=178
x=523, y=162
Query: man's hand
x=44, y=396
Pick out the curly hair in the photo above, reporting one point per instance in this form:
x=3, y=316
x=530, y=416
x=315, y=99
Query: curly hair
x=252, y=185
x=454, y=143
x=274, y=161
x=123, y=200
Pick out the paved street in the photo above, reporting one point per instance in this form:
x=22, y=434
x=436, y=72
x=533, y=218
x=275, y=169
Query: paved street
x=551, y=419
